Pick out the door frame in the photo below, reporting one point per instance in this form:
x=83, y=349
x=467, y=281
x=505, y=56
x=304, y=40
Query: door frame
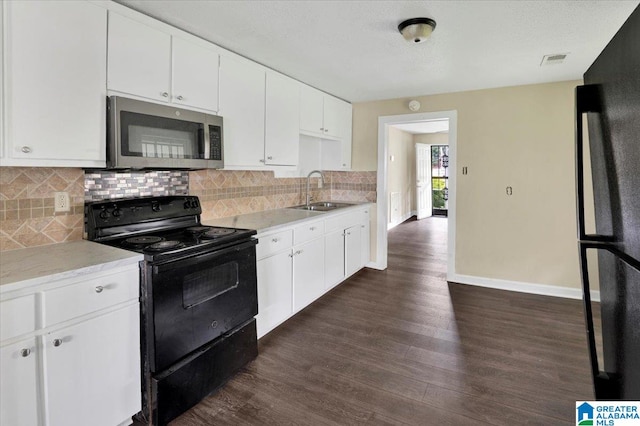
x=429, y=172
x=383, y=189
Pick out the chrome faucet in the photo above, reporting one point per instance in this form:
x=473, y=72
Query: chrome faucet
x=309, y=181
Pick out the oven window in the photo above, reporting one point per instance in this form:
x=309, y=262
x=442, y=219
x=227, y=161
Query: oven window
x=203, y=285
x=158, y=137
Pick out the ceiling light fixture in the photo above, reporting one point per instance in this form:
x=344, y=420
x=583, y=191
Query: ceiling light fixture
x=417, y=30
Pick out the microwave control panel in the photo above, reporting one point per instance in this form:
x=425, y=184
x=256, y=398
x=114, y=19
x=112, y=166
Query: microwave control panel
x=215, y=143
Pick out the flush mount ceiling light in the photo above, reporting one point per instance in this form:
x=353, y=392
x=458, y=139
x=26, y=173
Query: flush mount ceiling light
x=417, y=30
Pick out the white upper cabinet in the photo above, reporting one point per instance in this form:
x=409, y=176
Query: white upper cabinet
x=153, y=64
x=311, y=114
x=55, y=62
x=332, y=113
x=139, y=59
x=195, y=75
x=242, y=105
x=282, y=136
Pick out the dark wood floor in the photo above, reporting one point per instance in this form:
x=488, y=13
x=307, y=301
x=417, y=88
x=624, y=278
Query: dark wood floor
x=403, y=346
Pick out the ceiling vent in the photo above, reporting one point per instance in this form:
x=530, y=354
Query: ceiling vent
x=554, y=59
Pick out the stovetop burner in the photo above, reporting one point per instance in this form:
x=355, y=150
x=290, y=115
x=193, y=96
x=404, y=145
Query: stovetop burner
x=142, y=241
x=164, y=245
x=218, y=232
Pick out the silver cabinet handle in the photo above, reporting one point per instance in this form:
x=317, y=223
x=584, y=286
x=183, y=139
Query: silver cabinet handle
x=326, y=130
x=25, y=149
x=275, y=240
x=262, y=161
x=299, y=251
x=362, y=226
x=25, y=352
x=291, y=254
x=321, y=129
x=99, y=289
x=348, y=233
x=313, y=228
x=165, y=94
x=179, y=97
x=57, y=342
x=269, y=158
x=344, y=164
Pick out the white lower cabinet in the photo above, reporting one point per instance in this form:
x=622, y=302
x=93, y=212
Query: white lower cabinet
x=297, y=265
x=275, y=288
x=308, y=273
x=19, y=384
x=78, y=363
x=89, y=372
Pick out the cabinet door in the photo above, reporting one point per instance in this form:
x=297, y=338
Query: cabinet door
x=311, y=106
x=94, y=371
x=365, y=227
x=56, y=72
x=333, y=109
x=282, y=127
x=334, y=258
x=346, y=125
x=18, y=387
x=195, y=75
x=242, y=96
x=274, y=291
x=308, y=273
x=353, y=249
x=139, y=59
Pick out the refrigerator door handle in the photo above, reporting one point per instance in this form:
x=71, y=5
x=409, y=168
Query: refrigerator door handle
x=605, y=383
x=587, y=100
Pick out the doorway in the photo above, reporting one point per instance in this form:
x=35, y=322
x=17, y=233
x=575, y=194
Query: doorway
x=383, y=198
x=439, y=179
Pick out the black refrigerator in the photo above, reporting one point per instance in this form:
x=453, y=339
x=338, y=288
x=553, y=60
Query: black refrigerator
x=610, y=101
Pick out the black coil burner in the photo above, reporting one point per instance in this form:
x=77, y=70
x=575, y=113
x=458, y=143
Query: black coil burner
x=142, y=241
x=164, y=245
x=197, y=229
x=218, y=232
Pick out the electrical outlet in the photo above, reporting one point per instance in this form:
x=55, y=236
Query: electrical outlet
x=61, y=202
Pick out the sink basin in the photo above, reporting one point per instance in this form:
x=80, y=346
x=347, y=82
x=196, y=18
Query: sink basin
x=322, y=206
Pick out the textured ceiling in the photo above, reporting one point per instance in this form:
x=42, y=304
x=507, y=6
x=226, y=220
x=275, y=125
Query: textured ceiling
x=352, y=49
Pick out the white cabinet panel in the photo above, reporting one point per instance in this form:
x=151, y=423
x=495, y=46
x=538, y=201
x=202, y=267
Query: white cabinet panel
x=365, y=238
x=332, y=122
x=311, y=105
x=274, y=291
x=308, y=273
x=353, y=249
x=139, y=59
x=92, y=373
x=334, y=258
x=19, y=384
x=56, y=72
x=17, y=316
x=195, y=75
x=242, y=105
x=282, y=130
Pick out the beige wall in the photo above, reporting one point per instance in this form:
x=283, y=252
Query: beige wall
x=517, y=136
x=402, y=171
x=432, y=138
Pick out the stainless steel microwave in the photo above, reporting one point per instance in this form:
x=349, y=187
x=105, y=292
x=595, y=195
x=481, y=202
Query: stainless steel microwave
x=144, y=135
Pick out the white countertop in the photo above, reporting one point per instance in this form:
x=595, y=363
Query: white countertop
x=39, y=265
x=270, y=220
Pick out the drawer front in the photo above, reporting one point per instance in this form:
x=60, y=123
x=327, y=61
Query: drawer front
x=308, y=232
x=17, y=316
x=343, y=221
x=273, y=243
x=91, y=295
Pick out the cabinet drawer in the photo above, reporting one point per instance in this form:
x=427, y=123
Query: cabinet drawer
x=273, y=243
x=343, y=221
x=308, y=232
x=91, y=295
x=17, y=316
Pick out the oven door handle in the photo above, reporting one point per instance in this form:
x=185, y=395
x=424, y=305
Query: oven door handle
x=199, y=258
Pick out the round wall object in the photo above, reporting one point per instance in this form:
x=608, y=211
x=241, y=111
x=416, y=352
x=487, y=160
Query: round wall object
x=414, y=105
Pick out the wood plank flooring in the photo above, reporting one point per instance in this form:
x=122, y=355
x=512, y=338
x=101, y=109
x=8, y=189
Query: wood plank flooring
x=404, y=347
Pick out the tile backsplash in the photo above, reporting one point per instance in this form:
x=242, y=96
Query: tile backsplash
x=26, y=195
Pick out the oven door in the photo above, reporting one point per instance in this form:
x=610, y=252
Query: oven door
x=194, y=300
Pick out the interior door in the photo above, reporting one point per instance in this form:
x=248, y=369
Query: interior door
x=423, y=180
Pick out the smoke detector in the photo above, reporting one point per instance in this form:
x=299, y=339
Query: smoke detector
x=553, y=59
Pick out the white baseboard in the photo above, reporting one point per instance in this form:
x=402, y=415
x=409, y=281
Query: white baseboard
x=522, y=287
x=402, y=219
x=375, y=265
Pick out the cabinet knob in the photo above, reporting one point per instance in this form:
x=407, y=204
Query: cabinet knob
x=326, y=130
x=99, y=289
x=299, y=251
x=321, y=129
x=25, y=352
x=313, y=228
x=291, y=254
x=269, y=158
x=165, y=94
x=348, y=233
x=262, y=161
x=179, y=97
x=344, y=164
x=275, y=240
x=25, y=149
x=57, y=342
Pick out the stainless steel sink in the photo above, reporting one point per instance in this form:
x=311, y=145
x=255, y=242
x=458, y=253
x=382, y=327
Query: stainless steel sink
x=322, y=206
